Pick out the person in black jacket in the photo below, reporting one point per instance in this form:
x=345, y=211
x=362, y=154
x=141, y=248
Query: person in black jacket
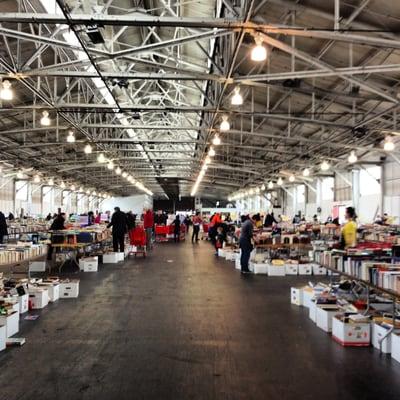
x=119, y=229
x=269, y=220
x=57, y=225
x=3, y=227
x=177, y=228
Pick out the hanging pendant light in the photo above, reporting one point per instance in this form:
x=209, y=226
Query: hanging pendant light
x=216, y=141
x=292, y=178
x=262, y=187
x=88, y=149
x=270, y=185
x=36, y=179
x=259, y=52
x=72, y=187
x=211, y=152
x=6, y=92
x=325, y=166
x=101, y=159
x=62, y=185
x=224, y=126
x=20, y=174
x=45, y=120
x=306, y=172
x=118, y=171
x=124, y=174
x=71, y=137
x=280, y=181
x=352, y=157
x=388, y=145
x=237, y=99
x=51, y=182
x=110, y=165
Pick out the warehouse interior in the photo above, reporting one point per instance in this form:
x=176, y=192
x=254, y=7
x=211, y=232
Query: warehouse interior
x=251, y=150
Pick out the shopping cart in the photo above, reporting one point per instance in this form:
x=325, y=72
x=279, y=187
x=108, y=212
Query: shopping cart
x=137, y=240
x=204, y=231
x=161, y=232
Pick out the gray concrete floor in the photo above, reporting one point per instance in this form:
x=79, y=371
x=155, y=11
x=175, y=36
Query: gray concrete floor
x=193, y=328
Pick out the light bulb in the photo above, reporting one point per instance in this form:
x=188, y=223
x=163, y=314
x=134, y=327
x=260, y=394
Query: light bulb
x=118, y=171
x=87, y=192
x=51, y=181
x=62, y=185
x=224, y=126
x=292, y=178
x=251, y=192
x=20, y=175
x=388, y=145
x=88, y=149
x=325, y=166
x=306, y=172
x=211, y=152
x=280, y=181
x=36, y=179
x=262, y=187
x=71, y=137
x=110, y=165
x=237, y=99
x=72, y=187
x=352, y=158
x=207, y=160
x=81, y=189
x=257, y=190
x=5, y=92
x=100, y=158
x=124, y=174
x=259, y=52
x=271, y=185
x=94, y=193
x=45, y=120
x=216, y=141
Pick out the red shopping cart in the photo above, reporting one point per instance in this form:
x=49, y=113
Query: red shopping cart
x=137, y=239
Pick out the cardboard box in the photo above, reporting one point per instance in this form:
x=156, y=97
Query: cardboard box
x=318, y=270
x=324, y=317
x=53, y=289
x=23, y=303
x=39, y=298
x=378, y=333
x=11, y=322
x=292, y=269
x=260, y=268
x=110, y=258
x=308, y=295
x=89, y=264
x=69, y=289
x=37, y=266
x=276, y=270
x=296, y=296
x=396, y=346
x=3, y=337
x=305, y=269
x=350, y=333
x=312, y=311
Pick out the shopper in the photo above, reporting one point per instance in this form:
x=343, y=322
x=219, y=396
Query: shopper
x=119, y=229
x=228, y=218
x=130, y=220
x=177, y=228
x=49, y=217
x=187, y=223
x=219, y=239
x=97, y=219
x=197, y=221
x=11, y=216
x=349, y=230
x=257, y=221
x=245, y=243
x=57, y=225
x=90, y=218
x=3, y=227
x=269, y=220
x=148, y=224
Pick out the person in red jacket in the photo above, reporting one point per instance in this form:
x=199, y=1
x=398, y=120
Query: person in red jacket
x=148, y=224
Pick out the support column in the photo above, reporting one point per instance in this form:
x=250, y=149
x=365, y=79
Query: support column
x=356, y=189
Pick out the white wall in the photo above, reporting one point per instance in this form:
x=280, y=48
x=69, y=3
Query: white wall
x=129, y=203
